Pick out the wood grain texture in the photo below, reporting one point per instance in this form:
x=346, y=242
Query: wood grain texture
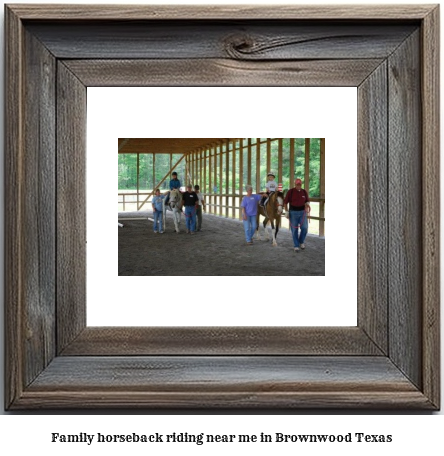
x=208, y=381
x=219, y=12
x=405, y=209
x=408, y=377
x=14, y=188
x=259, y=40
x=205, y=72
x=430, y=94
x=126, y=341
x=38, y=222
x=71, y=206
x=373, y=207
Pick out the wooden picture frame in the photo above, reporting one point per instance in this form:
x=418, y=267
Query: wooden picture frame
x=390, y=360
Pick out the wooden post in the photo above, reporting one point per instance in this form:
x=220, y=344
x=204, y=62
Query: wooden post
x=227, y=176
x=154, y=171
x=258, y=165
x=204, y=159
x=138, y=168
x=171, y=161
x=307, y=165
x=290, y=185
x=268, y=154
x=191, y=172
x=210, y=180
x=322, y=188
x=201, y=185
x=233, y=182
x=249, y=162
x=220, y=177
x=241, y=174
x=215, y=177
x=280, y=152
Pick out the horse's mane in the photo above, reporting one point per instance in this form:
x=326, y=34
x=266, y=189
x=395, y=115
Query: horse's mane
x=276, y=194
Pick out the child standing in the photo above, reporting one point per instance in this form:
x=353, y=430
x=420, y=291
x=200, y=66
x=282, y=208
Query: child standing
x=158, y=211
x=271, y=186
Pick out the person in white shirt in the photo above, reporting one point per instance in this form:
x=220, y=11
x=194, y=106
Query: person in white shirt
x=200, y=204
x=271, y=186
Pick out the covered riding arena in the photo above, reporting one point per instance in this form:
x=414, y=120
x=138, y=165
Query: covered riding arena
x=221, y=167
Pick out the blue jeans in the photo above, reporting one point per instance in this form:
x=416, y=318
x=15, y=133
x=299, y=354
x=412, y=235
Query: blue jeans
x=158, y=218
x=299, y=227
x=190, y=217
x=250, y=227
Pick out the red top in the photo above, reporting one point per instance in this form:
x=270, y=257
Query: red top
x=296, y=198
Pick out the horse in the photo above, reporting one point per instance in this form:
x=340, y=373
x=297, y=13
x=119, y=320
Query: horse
x=272, y=213
x=175, y=205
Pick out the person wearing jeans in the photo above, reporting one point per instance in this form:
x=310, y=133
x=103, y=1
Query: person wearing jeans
x=299, y=228
x=158, y=211
x=249, y=213
x=299, y=202
x=200, y=205
x=190, y=201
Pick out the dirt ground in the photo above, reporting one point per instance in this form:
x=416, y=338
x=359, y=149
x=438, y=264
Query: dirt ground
x=218, y=250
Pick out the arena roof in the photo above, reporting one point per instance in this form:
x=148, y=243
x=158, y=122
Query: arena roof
x=166, y=145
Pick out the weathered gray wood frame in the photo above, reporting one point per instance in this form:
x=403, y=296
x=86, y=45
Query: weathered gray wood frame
x=390, y=360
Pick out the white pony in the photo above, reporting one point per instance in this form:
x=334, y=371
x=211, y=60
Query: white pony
x=174, y=205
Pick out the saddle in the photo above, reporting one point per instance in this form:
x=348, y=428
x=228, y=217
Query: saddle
x=267, y=201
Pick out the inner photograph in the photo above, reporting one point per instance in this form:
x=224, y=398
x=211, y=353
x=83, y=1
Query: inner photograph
x=221, y=206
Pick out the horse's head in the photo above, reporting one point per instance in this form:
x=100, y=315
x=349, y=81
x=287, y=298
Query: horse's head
x=175, y=198
x=279, y=202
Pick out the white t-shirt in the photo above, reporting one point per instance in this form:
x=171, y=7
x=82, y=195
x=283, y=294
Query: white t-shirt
x=271, y=186
x=199, y=199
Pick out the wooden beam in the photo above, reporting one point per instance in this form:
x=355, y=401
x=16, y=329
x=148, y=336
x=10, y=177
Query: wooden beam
x=160, y=182
x=227, y=175
x=249, y=162
x=280, y=152
x=233, y=179
x=307, y=165
x=322, y=188
x=220, y=177
x=137, y=178
x=154, y=172
x=215, y=183
x=290, y=184
x=258, y=165
x=210, y=178
x=268, y=154
x=241, y=174
x=122, y=144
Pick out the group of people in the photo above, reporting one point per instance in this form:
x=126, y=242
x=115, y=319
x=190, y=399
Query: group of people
x=297, y=207
x=296, y=204
x=193, y=202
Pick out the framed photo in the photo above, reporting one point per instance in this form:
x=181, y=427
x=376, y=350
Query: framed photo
x=389, y=360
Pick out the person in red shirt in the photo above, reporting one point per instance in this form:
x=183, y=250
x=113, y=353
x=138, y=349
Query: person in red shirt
x=298, y=200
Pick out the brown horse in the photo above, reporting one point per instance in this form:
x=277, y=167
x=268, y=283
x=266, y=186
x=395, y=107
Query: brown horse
x=272, y=213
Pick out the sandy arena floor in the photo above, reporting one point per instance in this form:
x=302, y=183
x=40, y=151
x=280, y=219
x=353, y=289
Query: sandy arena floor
x=218, y=250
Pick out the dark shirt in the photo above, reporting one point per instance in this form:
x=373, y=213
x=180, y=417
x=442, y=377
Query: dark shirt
x=297, y=199
x=189, y=198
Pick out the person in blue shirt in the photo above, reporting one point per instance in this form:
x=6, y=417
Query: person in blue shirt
x=174, y=182
x=249, y=212
x=158, y=211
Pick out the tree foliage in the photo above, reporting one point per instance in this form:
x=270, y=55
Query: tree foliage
x=154, y=167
